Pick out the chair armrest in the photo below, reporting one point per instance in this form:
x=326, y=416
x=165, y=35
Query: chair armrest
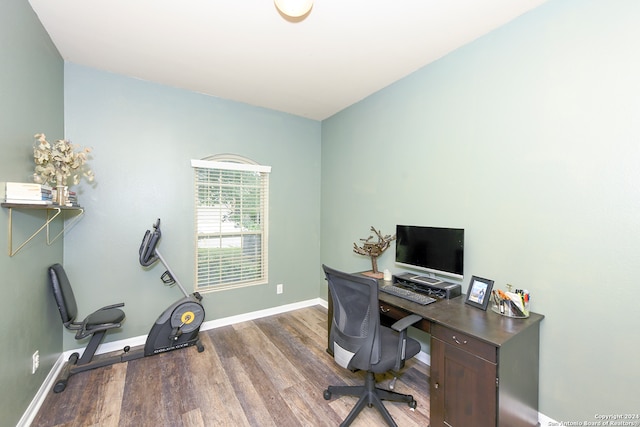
x=401, y=327
x=405, y=322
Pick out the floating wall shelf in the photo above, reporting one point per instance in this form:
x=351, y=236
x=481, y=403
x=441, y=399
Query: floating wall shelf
x=52, y=212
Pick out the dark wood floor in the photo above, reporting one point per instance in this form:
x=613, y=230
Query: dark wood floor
x=266, y=372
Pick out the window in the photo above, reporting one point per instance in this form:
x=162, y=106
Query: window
x=232, y=205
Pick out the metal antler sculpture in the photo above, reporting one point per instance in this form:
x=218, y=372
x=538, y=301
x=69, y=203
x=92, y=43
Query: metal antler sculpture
x=374, y=249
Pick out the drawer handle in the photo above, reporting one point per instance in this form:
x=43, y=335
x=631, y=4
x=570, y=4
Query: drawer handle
x=458, y=342
x=384, y=310
x=436, y=386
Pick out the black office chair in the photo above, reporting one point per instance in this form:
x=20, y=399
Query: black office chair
x=359, y=342
x=95, y=325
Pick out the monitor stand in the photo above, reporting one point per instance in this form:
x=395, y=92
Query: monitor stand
x=441, y=289
x=427, y=280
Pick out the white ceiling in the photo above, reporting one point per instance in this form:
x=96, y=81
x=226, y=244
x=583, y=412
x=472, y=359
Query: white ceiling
x=244, y=50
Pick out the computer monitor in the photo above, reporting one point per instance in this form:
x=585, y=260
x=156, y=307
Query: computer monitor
x=435, y=250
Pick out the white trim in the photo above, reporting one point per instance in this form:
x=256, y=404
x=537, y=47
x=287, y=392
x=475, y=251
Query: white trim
x=424, y=357
x=213, y=230
x=211, y=324
x=212, y=164
x=232, y=320
x=48, y=383
x=38, y=399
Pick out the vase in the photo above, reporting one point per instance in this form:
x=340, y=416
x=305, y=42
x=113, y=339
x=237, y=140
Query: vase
x=61, y=195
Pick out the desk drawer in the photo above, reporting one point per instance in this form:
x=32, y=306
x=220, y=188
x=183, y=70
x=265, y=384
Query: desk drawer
x=390, y=313
x=465, y=342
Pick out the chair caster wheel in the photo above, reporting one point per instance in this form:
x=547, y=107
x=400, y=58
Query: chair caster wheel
x=327, y=395
x=200, y=347
x=413, y=404
x=60, y=386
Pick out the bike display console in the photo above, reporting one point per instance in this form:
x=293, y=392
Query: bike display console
x=443, y=290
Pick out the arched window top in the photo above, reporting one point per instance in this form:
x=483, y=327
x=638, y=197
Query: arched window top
x=230, y=162
x=232, y=158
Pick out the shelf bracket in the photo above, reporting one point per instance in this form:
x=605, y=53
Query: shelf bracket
x=67, y=224
x=52, y=213
x=45, y=225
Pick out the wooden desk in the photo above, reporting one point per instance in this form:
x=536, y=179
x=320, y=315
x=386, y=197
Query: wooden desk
x=484, y=366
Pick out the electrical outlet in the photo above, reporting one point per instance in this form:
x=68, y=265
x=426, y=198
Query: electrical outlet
x=279, y=288
x=35, y=362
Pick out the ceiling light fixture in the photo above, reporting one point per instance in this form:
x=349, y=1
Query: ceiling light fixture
x=294, y=8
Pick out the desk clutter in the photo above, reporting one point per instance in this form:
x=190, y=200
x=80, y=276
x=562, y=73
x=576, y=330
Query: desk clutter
x=511, y=304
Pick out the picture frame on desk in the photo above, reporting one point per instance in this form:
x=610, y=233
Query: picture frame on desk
x=479, y=292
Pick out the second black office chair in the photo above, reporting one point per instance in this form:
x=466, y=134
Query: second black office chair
x=359, y=342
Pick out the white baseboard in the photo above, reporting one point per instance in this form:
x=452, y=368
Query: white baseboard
x=211, y=324
x=424, y=358
x=37, y=401
x=232, y=320
x=47, y=385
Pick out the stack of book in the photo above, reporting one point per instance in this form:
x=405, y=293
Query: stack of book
x=72, y=199
x=26, y=193
x=47, y=194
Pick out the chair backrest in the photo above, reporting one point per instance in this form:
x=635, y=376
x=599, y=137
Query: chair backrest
x=355, y=328
x=63, y=294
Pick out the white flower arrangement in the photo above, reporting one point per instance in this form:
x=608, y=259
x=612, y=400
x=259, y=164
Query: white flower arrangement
x=56, y=162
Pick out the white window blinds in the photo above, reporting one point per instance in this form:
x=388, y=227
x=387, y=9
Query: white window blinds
x=231, y=205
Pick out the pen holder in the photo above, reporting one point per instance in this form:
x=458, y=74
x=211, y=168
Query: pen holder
x=511, y=304
x=509, y=312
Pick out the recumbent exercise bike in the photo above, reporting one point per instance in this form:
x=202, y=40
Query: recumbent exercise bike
x=177, y=327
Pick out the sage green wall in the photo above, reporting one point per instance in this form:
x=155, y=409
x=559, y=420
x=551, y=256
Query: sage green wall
x=529, y=139
x=31, y=101
x=143, y=137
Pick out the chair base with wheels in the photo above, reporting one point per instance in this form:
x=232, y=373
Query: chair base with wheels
x=370, y=395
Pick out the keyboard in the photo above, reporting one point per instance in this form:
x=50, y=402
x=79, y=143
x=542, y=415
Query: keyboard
x=407, y=294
